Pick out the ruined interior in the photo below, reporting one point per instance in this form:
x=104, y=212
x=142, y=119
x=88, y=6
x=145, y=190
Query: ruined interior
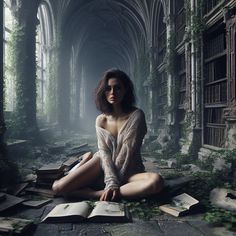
x=181, y=57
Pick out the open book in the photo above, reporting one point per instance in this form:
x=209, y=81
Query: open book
x=101, y=211
x=179, y=205
x=14, y=225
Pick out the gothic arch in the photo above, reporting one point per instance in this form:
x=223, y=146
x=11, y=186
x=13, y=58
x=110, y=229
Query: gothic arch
x=44, y=45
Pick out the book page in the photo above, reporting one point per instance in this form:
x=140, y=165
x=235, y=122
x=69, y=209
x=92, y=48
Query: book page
x=173, y=210
x=70, y=209
x=104, y=208
x=184, y=201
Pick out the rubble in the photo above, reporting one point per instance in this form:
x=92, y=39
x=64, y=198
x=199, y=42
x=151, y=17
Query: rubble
x=224, y=198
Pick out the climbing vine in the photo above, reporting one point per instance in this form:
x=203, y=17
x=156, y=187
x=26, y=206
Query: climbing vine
x=13, y=53
x=171, y=55
x=195, y=20
x=23, y=71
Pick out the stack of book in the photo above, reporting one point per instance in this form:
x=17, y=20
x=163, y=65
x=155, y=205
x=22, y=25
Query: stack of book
x=47, y=174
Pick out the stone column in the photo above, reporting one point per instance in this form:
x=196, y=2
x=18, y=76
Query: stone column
x=2, y=124
x=151, y=85
x=230, y=111
x=77, y=96
x=170, y=75
x=24, y=62
x=193, y=75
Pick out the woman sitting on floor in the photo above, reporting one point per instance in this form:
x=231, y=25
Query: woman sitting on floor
x=116, y=170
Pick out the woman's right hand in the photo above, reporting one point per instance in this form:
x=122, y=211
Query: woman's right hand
x=110, y=194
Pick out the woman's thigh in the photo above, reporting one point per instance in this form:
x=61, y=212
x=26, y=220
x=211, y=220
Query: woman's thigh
x=83, y=176
x=140, y=176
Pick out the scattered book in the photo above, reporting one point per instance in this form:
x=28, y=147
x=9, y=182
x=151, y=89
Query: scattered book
x=36, y=203
x=71, y=162
x=29, y=178
x=47, y=174
x=180, y=205
x=2, y=197
x=17, y=189
x=80, y=146
x=75, y=167
x=50, y=169
x=14, y=225
x=9, y=202
x=101, y=211
x=76, y=153
x=41, y=191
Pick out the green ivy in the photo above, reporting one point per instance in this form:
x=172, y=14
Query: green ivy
x=221, y=217
x=182, y=159
x=195, y=20
x=187, y=127
x=171, y=55
x=23, y=124
x=143, y=209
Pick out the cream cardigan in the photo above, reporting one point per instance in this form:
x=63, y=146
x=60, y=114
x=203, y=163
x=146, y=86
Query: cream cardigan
x=120, y=157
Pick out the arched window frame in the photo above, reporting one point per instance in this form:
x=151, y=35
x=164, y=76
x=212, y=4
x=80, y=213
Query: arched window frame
x=44, y=47
x=9, y=91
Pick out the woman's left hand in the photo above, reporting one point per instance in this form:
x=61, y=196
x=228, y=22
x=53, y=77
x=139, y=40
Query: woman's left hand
x=110, y=194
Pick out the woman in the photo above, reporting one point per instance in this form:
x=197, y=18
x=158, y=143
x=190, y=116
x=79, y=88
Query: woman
x=118, y=165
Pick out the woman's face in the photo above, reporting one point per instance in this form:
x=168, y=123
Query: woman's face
x=114, y=91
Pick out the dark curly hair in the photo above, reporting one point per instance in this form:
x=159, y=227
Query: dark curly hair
x=128, y=101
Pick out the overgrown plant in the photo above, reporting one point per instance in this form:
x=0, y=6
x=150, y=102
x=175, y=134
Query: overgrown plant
x=171, y=54
x=23, y=64
x=221, y=217
x=195, y=20
x=229, y=156
x=144, y=209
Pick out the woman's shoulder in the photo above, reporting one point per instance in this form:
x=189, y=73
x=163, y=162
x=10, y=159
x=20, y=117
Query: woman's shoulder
x=100, y=120
x=138, y=112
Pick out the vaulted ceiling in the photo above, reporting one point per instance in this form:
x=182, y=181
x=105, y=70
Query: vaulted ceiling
x=108, y=30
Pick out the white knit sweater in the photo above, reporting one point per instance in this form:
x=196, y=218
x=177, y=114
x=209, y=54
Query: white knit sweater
x=120, y=157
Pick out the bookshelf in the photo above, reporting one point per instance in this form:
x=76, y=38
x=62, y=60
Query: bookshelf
x=215, y=87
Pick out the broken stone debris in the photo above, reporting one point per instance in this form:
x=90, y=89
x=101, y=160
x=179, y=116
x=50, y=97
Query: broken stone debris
x=224, y=198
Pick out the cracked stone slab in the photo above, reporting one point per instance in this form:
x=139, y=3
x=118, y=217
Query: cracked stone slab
x=206, y=229
x=139, y=228
x=178, y=228
x=46, y=229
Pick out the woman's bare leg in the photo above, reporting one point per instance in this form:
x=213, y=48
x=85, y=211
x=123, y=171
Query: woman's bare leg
x=143, y=184
x=86, y=157
x=80, y=178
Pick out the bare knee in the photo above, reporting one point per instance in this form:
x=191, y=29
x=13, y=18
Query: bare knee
x=57, y=187
x=87, y=156
x=156, y=182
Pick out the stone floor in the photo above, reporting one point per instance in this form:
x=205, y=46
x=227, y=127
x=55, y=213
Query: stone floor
x=161, y=224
